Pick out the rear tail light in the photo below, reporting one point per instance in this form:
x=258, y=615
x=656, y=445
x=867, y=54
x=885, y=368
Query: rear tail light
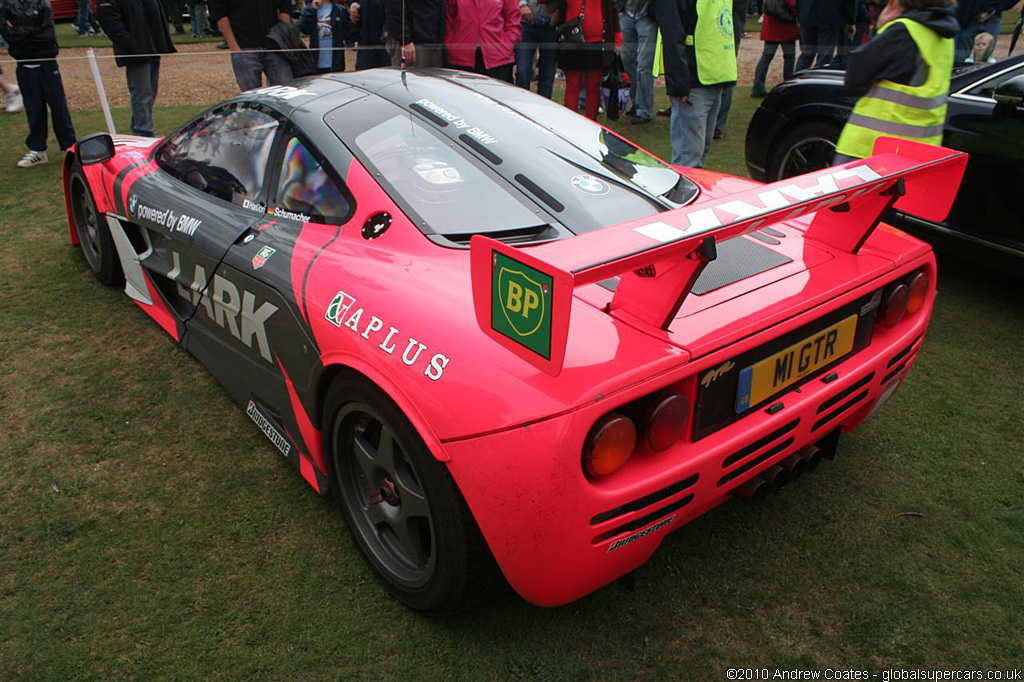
x=894, y=304
x=609, y=445
x=666, y=421
x=918, y=291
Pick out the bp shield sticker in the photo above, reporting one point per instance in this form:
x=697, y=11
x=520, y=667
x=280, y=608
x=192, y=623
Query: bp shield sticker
x=590, y=184
x=521, y=304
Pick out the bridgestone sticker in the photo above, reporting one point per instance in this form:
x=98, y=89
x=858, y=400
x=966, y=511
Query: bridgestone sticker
x=642, y=534
x=268, y=429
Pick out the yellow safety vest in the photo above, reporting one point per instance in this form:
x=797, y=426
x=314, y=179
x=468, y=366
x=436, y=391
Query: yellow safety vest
x=715, y=44
x=910, y=112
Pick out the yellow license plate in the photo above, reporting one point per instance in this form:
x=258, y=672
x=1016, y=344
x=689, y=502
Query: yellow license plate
x=769, y=376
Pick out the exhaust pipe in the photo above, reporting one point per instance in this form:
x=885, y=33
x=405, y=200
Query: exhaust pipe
x=795, y=465
x=777, y=476
x=811, y=456
x=753, y=491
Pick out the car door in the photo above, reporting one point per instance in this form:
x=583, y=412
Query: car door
x=987, y=205
x=267, y=345
x=209, y=188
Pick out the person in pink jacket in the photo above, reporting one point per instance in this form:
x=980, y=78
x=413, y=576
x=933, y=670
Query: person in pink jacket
x=481, y=35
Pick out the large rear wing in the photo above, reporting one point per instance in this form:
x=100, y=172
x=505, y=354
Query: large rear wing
x=523, y=297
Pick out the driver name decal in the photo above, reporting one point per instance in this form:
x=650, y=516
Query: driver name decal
x=337, y=313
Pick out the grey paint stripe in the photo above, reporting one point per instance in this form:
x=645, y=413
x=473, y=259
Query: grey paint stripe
x=890, y=128
x=906, y=99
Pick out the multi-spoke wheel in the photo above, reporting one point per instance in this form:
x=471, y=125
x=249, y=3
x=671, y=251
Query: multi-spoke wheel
x=399, y=502
x=808, y=147
x=93, y=235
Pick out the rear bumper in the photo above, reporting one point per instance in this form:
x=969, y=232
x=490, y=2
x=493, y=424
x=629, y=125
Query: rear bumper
x=558, y=536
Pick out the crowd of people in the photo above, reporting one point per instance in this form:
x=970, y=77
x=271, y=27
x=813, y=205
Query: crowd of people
x=693, y=43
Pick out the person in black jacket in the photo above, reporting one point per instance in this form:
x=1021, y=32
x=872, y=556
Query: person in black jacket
x=414, y=29
x=329, y=29
x=368, y=15
x=821, y=24
x=138, y=29
x=27, y=26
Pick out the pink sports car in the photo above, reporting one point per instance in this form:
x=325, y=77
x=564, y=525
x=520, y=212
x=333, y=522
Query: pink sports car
x=487, y=324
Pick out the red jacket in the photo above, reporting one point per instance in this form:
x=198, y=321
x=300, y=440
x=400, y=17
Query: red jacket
x=495, y=25
x=775, y=31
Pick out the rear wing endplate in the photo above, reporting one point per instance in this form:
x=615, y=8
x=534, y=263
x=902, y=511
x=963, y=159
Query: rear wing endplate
x=523, y=297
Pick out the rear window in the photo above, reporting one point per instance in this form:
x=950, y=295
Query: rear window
x=442, y=185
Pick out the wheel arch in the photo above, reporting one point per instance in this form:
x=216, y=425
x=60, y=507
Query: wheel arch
x=827, y=115
x=351, y=366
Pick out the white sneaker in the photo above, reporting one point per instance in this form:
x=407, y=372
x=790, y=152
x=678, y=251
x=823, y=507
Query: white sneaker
x=33, y=159
x=13, y=102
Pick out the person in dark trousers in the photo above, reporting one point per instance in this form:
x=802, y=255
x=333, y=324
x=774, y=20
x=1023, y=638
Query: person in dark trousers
x=173, y=10
x=821, y=23
x=700, y=62
x=329, y=29
x=368, y=15
x=415, y=29
x=538, y=37
x=27, y=26
x=901, y=76
x=244, y=25
x=138, y=29
x=776, y=33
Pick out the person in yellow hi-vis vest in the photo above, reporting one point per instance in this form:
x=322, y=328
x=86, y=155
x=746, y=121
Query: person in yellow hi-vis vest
x=699, y=63
x=902, y=77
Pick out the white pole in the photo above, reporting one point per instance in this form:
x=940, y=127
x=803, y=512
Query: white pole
x=99, y=88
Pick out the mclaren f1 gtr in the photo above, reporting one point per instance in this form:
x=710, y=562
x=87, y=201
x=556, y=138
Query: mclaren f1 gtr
x=488, y=324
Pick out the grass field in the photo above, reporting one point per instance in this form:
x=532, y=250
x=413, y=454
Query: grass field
x=148, y=530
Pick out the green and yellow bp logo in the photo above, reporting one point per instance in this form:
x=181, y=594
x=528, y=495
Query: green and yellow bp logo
x=521, y=304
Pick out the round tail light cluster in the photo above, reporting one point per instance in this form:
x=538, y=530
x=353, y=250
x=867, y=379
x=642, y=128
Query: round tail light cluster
x=609, y=445
x=902, y=298
x=614, y=438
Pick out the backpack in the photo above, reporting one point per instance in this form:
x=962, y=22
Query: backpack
x=777, y=10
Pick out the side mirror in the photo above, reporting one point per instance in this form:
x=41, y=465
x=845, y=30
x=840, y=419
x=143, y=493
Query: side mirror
x=1011, y=92
x=98, y=148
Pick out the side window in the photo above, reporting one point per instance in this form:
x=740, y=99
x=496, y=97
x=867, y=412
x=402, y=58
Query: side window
x=223, y=154
x=307, y=188
x=987, y=88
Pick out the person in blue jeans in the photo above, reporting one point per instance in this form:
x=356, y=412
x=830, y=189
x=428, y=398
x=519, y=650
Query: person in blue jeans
x=138, y=29
x=539, y=35
x=86, y=24
x=329, y=28
x=197, y=17
x=639, y=39
x=700, y=63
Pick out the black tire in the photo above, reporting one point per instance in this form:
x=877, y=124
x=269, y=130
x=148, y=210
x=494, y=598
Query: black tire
x=93, y=234
x=437, y=555
x=808, y=147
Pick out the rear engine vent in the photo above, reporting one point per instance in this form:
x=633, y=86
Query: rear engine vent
x=738, y=259
x=645, y=501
